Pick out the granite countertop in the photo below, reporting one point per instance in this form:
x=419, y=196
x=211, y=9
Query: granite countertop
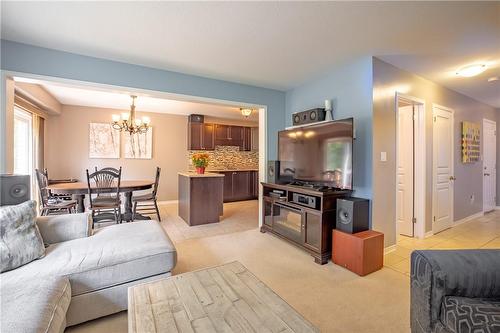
x=197, y=175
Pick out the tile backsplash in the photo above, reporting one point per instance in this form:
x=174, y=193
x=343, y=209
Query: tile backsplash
x=228, y=158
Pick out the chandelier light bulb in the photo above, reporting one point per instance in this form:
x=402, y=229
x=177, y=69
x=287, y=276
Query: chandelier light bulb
x=116, y=118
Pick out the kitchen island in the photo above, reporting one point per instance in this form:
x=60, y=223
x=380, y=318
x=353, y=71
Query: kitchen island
x=200, y=197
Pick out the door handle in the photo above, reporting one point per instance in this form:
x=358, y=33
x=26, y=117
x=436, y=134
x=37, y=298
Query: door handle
x=453, y=178
x=486, y=174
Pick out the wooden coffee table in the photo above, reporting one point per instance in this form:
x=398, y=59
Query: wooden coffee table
x=227, y=298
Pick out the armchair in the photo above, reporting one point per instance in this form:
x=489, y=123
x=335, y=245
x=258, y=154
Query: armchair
x=455, y=291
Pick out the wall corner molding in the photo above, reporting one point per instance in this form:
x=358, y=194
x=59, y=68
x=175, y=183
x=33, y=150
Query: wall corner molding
x=389, y=249
x=468, y=218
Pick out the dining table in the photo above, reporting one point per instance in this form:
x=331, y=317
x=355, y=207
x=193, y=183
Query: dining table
x=79, y=189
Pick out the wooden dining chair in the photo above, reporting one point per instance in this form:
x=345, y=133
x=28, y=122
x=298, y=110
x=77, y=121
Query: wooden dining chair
x=109, y=169
x=51, y=205
x=105, y=204
x=147, y=203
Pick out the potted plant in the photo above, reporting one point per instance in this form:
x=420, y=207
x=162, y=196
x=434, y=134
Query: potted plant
x=200, y=162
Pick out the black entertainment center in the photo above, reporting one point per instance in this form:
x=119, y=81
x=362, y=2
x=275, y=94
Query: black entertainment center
x=314, y=170
x=306, y=224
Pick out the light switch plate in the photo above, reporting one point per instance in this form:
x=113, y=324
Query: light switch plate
x=383, y=156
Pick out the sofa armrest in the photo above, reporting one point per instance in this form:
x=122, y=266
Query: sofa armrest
x=439, y=273
x=62, y=228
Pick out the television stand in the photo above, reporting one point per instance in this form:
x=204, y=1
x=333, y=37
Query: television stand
x=302, y=215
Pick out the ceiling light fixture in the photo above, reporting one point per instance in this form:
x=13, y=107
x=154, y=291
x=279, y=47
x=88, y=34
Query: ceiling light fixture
x=471, y=70
x=129, y=123
x=246, y=112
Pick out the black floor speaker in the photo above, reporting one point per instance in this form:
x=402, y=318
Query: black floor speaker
x=14, y=189
x=273, y=172
x=353, y=215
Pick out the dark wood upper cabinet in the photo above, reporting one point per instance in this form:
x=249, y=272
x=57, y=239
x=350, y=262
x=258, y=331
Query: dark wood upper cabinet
x=205, y=136
x=247, y=138
x=201, y=136
x=221, y=133
x=208, y=136
x=194, y=136
x=236, y=133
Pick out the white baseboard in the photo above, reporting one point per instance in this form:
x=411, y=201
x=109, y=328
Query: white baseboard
x=389, y=249
x=168, y=202
x=429, y=234
x=468, y=218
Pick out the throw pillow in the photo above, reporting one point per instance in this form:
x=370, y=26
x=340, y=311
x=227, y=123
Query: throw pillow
x=20, y=239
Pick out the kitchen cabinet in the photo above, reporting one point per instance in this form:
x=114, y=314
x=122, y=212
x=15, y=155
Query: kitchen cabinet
x=201, y=136
x=239, y=185
x=247, y=138
x=228, y=135
x=255, y=184
x=221, y=133
x=254, y=139
x=205, y=136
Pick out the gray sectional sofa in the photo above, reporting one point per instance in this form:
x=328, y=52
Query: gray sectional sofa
x=455, y=291
x=83, y=275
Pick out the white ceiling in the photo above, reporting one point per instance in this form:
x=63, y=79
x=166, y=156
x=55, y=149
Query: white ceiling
x=272, y=44
x=114, y=99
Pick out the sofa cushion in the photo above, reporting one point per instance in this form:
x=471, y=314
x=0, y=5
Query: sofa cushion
x=113, y=255
x=20, y=239
x=34, y=306
x=478, y=315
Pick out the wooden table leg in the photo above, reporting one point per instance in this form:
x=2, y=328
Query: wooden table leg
x=80, y=202
x=127, y=216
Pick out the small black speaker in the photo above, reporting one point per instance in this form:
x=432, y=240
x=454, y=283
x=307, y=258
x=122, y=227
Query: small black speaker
x=308, y=117
x=353, y=215
x=273, y=171
x=14, y=189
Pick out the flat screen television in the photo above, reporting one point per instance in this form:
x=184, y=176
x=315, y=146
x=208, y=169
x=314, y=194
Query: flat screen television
x=319, y=154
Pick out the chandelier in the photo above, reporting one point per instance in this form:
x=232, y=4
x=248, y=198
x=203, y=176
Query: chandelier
x=129, y=123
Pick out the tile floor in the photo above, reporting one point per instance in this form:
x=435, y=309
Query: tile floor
x=483, y=232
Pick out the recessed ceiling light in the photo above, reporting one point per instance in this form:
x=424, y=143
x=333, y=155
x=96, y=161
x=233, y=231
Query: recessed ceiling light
x=493, y=79
x=471, y=70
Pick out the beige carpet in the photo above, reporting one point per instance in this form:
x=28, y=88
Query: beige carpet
x=331, y=297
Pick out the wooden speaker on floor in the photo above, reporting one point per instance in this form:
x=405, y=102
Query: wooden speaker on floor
x=361, y=253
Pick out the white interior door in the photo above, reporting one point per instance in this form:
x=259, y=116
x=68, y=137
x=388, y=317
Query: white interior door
x=489, y=165
x=405, y=192
x=442, y=169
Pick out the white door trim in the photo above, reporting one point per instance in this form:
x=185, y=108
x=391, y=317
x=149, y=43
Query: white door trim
x=419, y=162
x=491, y=122
x=434, y=161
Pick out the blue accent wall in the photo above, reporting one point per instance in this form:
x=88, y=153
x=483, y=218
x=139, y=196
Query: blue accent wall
x=31, y=59
x=350, y=86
